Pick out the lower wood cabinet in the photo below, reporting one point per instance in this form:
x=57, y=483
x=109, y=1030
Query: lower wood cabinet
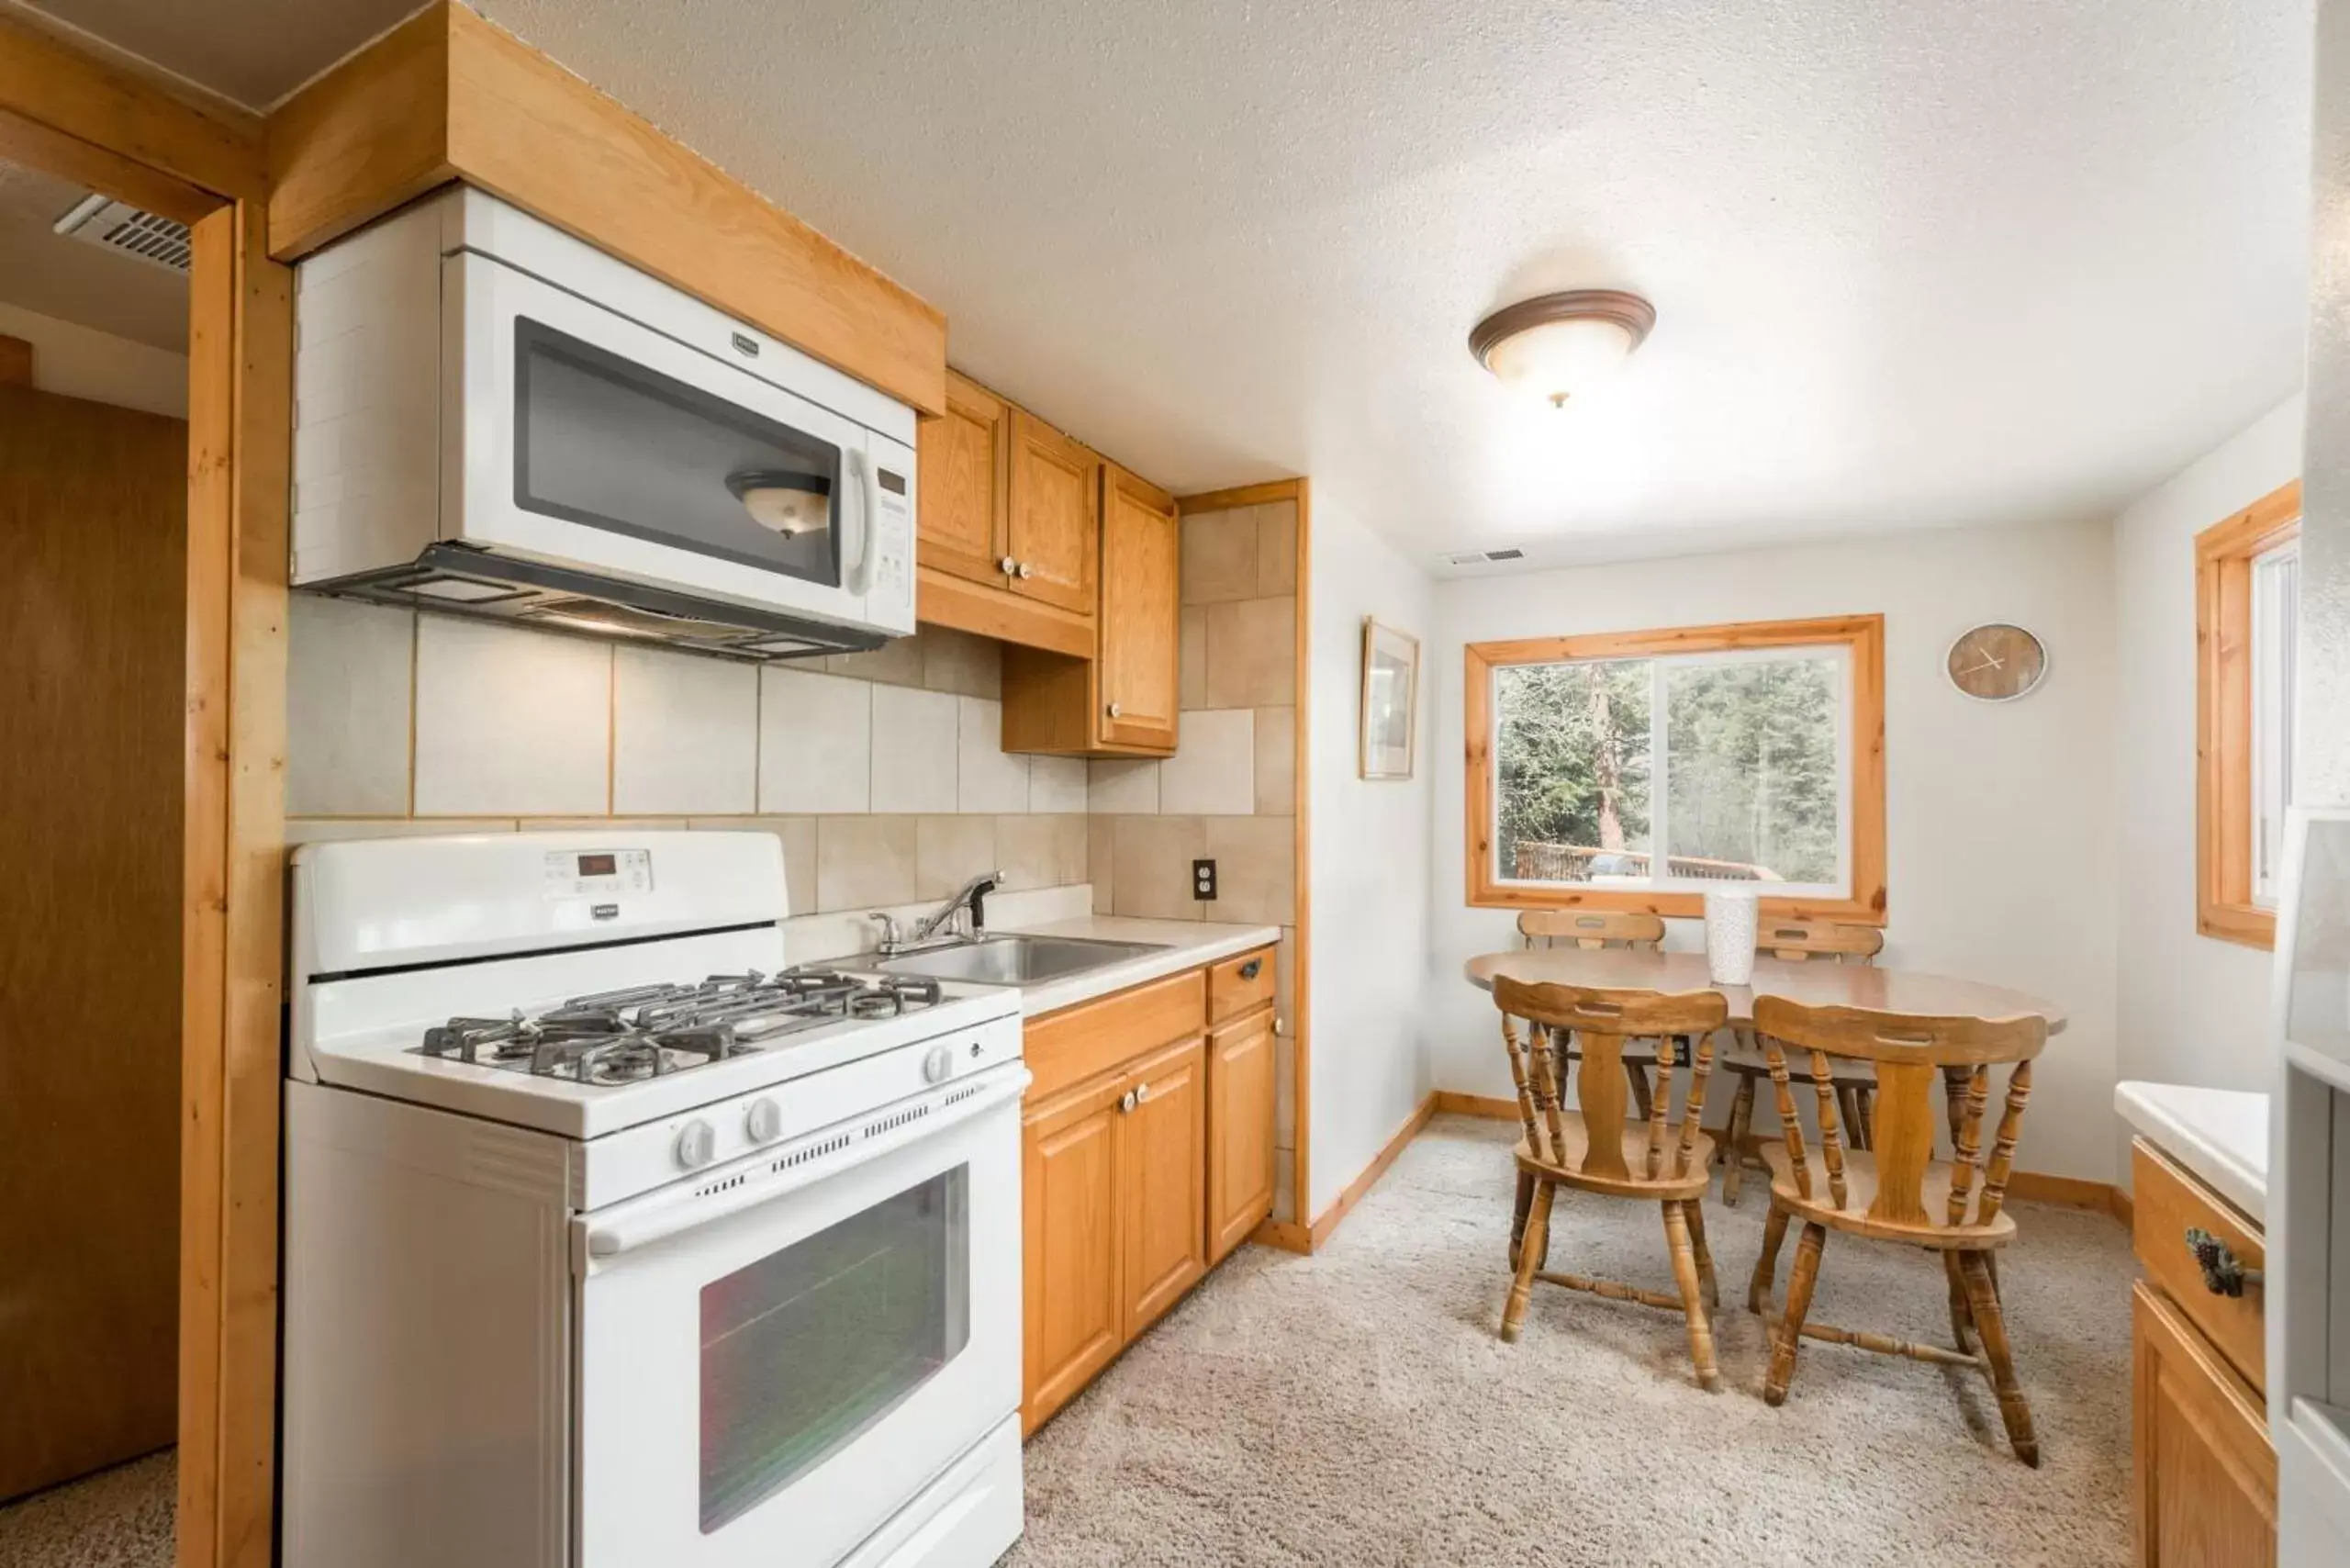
x=1147, y=1157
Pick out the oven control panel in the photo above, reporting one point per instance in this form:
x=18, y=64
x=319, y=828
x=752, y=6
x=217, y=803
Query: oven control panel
x=597, y=873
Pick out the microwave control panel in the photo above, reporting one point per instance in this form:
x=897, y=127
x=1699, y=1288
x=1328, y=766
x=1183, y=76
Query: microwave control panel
x=893, y=535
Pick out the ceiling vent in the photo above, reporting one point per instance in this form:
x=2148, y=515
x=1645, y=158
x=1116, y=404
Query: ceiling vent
x=118, y=226
x=1479, y=557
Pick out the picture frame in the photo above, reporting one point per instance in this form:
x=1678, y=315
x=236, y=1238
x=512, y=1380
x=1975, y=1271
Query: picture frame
x=1388, y=720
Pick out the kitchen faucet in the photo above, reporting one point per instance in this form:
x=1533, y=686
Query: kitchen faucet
x=966, y=900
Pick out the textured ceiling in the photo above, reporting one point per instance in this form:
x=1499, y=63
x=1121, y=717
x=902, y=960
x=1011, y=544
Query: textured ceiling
x=1914, y=266
x=43, y=270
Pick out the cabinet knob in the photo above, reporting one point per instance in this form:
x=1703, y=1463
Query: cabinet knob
x=2224, y=1271
x=1007, y=566
x=1026, y=570
x=1142, y=1093
x=1252, y=969
x=1114, y=709
x=1125, y=1101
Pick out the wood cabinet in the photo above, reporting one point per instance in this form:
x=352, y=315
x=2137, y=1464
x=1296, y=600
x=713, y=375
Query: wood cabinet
x=965, y=463
x=1147, y=1157
x=1240, y=1129
x=2204, y=1487
x=1052, y=532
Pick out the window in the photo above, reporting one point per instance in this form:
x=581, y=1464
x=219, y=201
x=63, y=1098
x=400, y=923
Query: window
x=1631, y=770
x=2247, y=592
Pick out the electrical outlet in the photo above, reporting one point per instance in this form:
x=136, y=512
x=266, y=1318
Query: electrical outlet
x=1203, y=880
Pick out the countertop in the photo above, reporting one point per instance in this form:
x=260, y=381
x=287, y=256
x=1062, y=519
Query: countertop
x=2221, y=1134
x=1188, y=944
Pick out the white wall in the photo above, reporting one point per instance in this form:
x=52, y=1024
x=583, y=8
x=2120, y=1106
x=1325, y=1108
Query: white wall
x=1370, y=856
x=82, y=362
x=2190, y=1007
x=2000, y=842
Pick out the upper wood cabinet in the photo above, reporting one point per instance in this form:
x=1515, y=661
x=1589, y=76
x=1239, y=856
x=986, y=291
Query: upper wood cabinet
x=966, y=466
x=1141, y=613
x=1054, y=542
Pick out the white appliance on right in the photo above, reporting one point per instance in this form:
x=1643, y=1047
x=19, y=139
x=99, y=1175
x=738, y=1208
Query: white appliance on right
x=2309, y=1195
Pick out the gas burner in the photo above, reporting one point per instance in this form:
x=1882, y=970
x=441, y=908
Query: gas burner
x=625, y=1036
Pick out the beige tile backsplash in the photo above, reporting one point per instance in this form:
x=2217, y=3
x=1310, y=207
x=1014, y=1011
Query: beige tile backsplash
x=880, y=772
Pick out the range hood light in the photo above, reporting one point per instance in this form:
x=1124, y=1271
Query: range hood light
x=789, y=504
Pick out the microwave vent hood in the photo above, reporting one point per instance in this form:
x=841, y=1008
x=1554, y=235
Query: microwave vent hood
x=450, y=580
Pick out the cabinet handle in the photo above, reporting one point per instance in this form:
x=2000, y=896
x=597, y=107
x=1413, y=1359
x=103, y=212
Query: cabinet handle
x=1142, y=1093
x=1252, y=969
x=1114, y=709
x=1125, y=1101
x=2224, y=1271
x=1027, y=571
x=1007, y=566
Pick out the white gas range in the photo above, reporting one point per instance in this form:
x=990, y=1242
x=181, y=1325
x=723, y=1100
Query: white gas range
x=608, y=1244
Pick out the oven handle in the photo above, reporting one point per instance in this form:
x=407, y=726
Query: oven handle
x=771, y=1174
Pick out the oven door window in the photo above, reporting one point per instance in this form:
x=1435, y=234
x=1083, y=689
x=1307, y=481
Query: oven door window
x=601, y=440
x=808, y=1347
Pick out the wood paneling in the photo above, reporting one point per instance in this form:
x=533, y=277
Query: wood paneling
x=128, y=118
x=2223, y=718
x=1162, y=1181
x=1070, y=1229
x=1074, y=1044
x=1055, y=534
x=2167, y=1204
x=2204, y=1492
x=1141, y=610
x=93, y=504
x=16, y=362
x=1240, y=1129
x=448, y=96
x=1863, y=635
x=943, y=599
x=963, y=522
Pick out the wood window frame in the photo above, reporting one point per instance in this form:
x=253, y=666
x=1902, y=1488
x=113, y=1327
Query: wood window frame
x=2224, y=554
x=1862, y=637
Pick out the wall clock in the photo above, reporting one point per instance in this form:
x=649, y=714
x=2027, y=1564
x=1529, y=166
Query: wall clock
x=1996, y=662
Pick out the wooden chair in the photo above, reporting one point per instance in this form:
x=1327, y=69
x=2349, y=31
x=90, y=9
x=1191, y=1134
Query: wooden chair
x=1798, y=941
x=1596, y=1148
x=1898, y=1192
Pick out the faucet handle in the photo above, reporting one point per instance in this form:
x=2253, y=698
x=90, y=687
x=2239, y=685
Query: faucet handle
x=890, y=935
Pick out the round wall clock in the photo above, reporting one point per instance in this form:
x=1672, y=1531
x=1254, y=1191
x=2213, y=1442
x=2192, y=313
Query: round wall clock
x=1996, y=662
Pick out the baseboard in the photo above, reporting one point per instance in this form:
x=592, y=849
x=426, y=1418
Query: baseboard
x=1293, y=1237
x=2068, y=1192
x=1286, y=1235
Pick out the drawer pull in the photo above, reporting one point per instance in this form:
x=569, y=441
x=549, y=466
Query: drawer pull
x=1126, y=1102
x=1252, y=969
x=2224, y=1271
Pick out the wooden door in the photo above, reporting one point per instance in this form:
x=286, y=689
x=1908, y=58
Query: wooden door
x=1069, y=1228
x=92, y=634
x=1240, y=1130
x=1162, y=1190
x=963, y=526
x=1141, y=612
x=1053, y=539
x=2205, y=1493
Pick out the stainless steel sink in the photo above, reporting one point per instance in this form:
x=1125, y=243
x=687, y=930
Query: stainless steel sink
x=1014, y=960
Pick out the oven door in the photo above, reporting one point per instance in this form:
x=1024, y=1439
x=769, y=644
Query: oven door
x=575, y=435
x=775, y=1357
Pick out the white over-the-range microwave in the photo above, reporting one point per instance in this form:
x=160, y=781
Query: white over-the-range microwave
x=493, y=419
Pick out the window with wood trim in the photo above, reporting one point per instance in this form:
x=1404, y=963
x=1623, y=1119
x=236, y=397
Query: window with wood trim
x=2247, y=590
x=1634, y=769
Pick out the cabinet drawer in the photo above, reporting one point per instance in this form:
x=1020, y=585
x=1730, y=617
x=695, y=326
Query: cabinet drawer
x=2167, y=1202
x=1239, y=984
x=1074, y=1044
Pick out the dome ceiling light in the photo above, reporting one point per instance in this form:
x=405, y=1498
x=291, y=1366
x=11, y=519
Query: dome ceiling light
x=1557, y=346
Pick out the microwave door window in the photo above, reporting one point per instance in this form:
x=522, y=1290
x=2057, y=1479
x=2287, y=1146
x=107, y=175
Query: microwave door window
x=604, y=441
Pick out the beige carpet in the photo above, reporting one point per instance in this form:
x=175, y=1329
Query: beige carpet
x=1355, y=1408
x=116, y=1519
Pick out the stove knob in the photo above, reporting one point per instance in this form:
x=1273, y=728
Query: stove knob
x=764, y=1122
x=697, y=1145
x=937, y=1065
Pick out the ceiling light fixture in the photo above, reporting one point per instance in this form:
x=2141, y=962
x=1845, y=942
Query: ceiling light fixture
x=1558, y=346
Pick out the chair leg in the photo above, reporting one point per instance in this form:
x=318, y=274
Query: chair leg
x=1799, y=1283
x=1741, y=1116
x=1962, y=1320
x=1530, y=1249
x=1992, y=1325
x=1867, y=1098
x=1638, y=1076
x=1524, y=1201
x=1766, y=1267
x=1695, y=1209
x=1692, y=1304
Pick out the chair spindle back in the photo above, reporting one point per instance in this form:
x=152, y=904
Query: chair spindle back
x=1565, y=1021
x=1797, y=940
x=1590, y=929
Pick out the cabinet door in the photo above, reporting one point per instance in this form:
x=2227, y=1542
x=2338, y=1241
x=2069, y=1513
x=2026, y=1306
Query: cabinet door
x=2205, y=1477
x=1141, y=615
x=1240, y=1130
x=963, y=522
x=1162, y=1187
x=1069, y=1201
x=1053, y=534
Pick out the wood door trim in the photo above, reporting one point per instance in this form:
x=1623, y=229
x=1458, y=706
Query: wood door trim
x=447, y=95
x=2223, y=720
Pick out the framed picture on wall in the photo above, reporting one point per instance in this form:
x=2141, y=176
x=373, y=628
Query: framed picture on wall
x=1391, y=688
